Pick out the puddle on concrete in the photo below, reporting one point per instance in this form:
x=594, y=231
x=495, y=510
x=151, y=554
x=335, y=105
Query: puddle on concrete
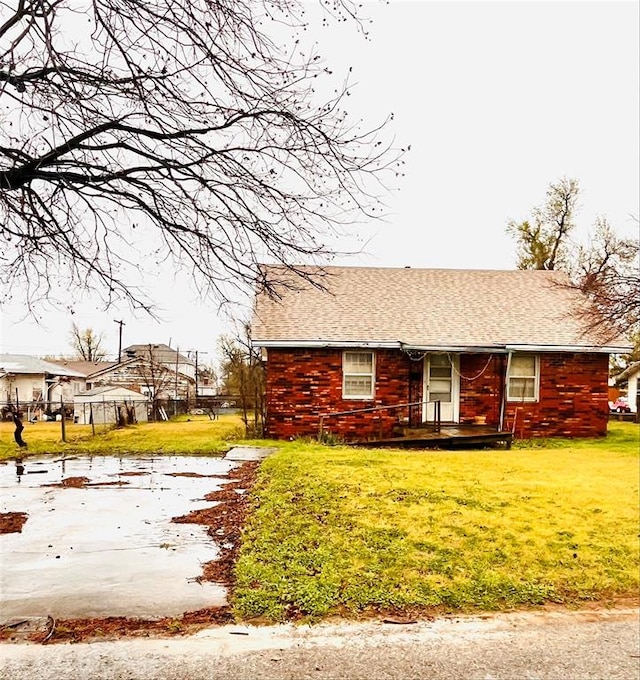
x=106, y=550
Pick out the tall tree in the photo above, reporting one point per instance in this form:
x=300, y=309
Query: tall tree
x=607, y=271
x=194, y=131
x=87, y=344
x=542, y=239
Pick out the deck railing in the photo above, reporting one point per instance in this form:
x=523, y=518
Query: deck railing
x=437, y=411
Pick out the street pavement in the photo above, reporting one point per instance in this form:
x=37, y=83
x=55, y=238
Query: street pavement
x=603, y=644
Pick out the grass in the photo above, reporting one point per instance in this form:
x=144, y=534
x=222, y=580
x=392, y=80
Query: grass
x=195, y=435
x=344, y=531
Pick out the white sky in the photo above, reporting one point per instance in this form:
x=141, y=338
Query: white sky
x=496, y=100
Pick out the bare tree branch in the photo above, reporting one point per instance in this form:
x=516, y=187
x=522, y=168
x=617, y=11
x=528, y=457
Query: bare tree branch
x=607, y=272
x=134, y=134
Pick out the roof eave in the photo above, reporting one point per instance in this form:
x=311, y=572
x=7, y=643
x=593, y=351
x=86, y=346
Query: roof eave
x=417, y=347
x=586, y=349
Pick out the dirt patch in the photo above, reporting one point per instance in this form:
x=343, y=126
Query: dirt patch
x=188, y=474
x=115, y=627
x=81, y=483
x=224, y=521
x=132, y=473
x=12, y=522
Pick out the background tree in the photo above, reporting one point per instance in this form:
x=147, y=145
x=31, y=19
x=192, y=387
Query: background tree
x=542, y=240
x=87, y=345
x=243, y=375
x=133, y=133
x=157, y=381
x=606, y=271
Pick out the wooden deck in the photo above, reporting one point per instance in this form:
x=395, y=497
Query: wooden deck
x=450, y=436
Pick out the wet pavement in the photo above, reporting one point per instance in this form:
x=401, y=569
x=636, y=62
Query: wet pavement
x=106, y=546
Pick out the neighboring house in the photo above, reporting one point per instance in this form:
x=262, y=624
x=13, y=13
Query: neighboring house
x=165, y=355
x=631, y=378
x=110, y=404
x=504, y=345
x=157, y=371
x=36, y=384
x=83, y=368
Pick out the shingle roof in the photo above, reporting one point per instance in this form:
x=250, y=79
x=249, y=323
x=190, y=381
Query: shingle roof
x=86, y=368
x=25, y=364
x=160, y=353
x=106, y=389
x=631, y=369
x=427, y=308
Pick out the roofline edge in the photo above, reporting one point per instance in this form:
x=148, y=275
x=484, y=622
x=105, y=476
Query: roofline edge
x=497, y=349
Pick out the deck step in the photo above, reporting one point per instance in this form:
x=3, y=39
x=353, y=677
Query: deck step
x=448, y=437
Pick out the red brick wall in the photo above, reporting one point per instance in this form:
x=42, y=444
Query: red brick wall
x=481, y=386
x=304, y=384
x=573, y=398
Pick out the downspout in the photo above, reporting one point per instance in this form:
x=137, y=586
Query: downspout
x=505, y=389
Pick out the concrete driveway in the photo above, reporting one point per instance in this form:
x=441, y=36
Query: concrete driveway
x=107, y=536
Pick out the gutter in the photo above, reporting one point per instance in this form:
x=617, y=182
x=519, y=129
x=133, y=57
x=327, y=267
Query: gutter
x=586, y=349
x=376, y=344
x=398, y=344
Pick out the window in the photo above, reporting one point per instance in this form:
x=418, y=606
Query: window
x=523, y=378
x=357, y=375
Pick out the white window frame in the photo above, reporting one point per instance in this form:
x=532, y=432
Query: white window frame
x=347, y=374
x=535, y=378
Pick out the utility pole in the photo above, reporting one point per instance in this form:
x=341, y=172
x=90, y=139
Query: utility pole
x=196, y=378
x=196, y=352
x=121, y=323
x=175, y=401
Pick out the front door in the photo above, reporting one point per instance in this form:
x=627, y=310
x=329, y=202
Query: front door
x=441, y=383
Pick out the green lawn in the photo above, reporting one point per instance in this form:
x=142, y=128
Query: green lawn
x=344, y=531
x=192, y=435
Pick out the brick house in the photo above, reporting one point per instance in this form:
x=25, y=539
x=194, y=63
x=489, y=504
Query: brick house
x=374, y=347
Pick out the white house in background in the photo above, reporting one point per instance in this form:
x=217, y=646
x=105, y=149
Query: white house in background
x=34, y=383
x=630, y=376
x=110, y=404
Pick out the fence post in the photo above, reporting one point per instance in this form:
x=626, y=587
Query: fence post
x=62, y=423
